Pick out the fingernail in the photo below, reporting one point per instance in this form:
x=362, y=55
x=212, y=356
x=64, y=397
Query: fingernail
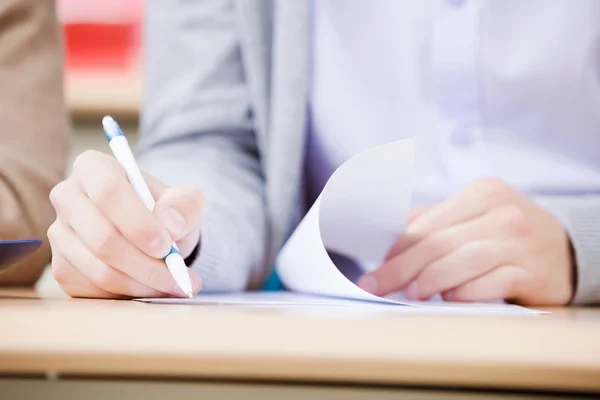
x=368, y=283
x=173, y=221
x=412, y=292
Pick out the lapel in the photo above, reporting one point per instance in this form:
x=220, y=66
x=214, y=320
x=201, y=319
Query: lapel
x=274, y=49
x=274, y=46
x=255, y=19
x=274, y=40
x=288, y=112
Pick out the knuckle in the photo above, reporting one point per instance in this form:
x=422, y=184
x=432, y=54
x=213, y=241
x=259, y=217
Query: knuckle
x=105, y=278
x=86, y=159
x=57, y=194
x=458, y=294
x=509, y=283
x=146, y=236
x=104, y=242
x=155, y=277
x=52, y=232
x=481, y=254
x=515, y=220
x=493, y=190
x=60, y=197
x=428, y=284
x=196, y=200
x=103, y=170
x=440, y=245
x=106, y=191
x=60, y=271
x=186, y=199
x=196, y=197
x=397, y=278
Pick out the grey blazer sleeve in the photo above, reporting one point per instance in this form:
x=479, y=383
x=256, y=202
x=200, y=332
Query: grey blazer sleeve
x=197, y=130
x=580, y=216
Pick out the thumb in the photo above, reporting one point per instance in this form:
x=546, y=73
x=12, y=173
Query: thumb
x=180, y=209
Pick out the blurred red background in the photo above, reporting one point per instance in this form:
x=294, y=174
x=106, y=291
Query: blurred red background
x=103, y=46
x=104, y=35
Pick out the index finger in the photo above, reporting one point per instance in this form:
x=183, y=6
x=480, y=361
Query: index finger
x=105, y=183
x=472, y=202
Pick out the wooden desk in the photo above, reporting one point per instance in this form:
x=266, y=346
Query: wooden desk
x=274, y=351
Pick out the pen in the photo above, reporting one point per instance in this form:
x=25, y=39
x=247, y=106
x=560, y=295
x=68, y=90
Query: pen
x=122, y=152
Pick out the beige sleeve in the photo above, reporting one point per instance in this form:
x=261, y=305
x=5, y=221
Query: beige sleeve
x=34, y=128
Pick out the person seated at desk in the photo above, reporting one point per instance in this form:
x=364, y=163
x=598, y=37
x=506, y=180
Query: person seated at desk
x=34, y=129
x=504, y=98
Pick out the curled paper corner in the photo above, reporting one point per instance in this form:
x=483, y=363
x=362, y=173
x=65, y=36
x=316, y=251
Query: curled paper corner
x=358, y=215
x=366, y=202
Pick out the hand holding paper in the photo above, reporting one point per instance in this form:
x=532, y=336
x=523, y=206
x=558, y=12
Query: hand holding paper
x=358, y=217
x=488, y=242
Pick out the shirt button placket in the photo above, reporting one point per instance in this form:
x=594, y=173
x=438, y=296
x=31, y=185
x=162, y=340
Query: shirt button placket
x=455, y=67
x=461, y=137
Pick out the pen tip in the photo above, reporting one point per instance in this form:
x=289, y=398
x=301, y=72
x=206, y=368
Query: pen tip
x=111, y=128
x=190, y=294
x=107, y=120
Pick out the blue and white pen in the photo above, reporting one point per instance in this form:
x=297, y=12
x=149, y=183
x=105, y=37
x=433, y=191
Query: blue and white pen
x=122, y=152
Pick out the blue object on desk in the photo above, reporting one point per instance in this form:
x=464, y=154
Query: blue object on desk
x=273, y=283
x=13, y=251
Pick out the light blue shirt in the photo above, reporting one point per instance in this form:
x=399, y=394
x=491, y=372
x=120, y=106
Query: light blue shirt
x=486, y=89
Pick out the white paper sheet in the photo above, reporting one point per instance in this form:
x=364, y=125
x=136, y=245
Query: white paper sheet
x=280, y=298
x=313, y=303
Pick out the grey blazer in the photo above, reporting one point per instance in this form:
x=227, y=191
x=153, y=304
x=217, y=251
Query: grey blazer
x=225, y=110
